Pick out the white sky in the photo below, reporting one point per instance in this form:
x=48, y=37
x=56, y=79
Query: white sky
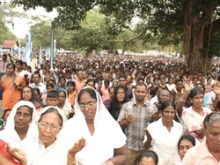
x=22, y=26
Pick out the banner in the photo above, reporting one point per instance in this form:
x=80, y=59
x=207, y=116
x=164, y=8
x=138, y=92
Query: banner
x=28, y=51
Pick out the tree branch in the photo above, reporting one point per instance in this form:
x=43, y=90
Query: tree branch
x=131, y=39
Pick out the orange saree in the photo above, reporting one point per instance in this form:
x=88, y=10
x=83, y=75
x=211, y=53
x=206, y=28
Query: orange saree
x=11, y=94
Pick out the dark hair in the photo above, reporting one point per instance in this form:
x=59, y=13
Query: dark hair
x=52, y=94
x=140, y=79
x=29, y=108
x=90, y=80
x=148, y=154
x=166, y=104
x=60, y=78
x=11, y=64
x=68, y=71
x=32, y=93
x=195, y=91
x=179, y=80
x=114, y=107
x=37, y=90
x=155, y=79
x=190, y=138
x=87, y=90
x=71, y=83
x=4, y=112
x=18, y=62
x=217, y=108
x=140, y=84
x=122, y=76
x=201, y=85
x=106, y=82
x=50, y=85
x=52, y=110
x=209, y=119
x=62, y=91
x=37, y=73
x=24, y=63
x=110, y=89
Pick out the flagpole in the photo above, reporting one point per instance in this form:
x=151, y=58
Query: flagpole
x=51, y=48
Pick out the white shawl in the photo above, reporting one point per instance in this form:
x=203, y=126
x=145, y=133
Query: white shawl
x=45, y=156
x=10, y=135
x=99, y=146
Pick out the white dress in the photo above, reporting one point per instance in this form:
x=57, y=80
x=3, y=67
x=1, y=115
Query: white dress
x=164, y=143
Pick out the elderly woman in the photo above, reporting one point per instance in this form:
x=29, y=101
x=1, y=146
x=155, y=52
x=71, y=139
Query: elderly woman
x=164, y=146
x=105, y=142
x=21, y=128
x=46, y=149
x=208, y=151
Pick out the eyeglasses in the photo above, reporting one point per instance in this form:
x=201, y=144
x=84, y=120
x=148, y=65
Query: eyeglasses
x=88, y=105
x=52, y=126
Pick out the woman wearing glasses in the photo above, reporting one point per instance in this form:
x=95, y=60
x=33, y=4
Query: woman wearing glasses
x=105, y=142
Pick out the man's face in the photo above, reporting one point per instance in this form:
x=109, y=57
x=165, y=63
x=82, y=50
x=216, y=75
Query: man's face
x=36, y=78
x=140, y=93
x=122, y=81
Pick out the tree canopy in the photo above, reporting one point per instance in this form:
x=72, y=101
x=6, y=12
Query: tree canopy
x=196, y=23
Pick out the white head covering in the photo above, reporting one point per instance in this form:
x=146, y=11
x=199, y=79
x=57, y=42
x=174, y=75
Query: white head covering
x=67, y=108
x=50, y=155
x=10, y=135
x=100, y=146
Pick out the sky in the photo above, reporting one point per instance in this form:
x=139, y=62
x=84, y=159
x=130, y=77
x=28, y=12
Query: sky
x=22, y=26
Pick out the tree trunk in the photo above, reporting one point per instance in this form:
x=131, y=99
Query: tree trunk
x=197, y=38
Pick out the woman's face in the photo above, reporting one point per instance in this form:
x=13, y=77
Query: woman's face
x=120, y=95
x=168, y=113
x=197, y=101
x=50, y=88
x=10, y=70
x=22, y=118
x=115, y=84
x=49, y=127
x=62, y=82
x=183, y=147
x=213, y=136
x=26, y=93
x=61, y=97
x=164, y=96
x=91, y=84
x=147, y=161
x=37, y=94
x=6, y=115
x=70, y=88
x=88, y=106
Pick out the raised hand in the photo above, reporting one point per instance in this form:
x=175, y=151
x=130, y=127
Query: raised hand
x=129, y=118
x=17, y=154
x=216, y=89
x=78, y=146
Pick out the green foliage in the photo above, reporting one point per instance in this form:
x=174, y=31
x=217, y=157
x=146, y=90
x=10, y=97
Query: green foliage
x=41, y=32
x=5, y=33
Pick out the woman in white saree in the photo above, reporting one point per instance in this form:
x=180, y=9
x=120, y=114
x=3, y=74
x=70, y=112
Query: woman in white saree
x=105, y=141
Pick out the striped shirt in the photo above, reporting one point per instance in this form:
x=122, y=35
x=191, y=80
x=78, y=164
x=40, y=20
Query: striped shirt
x=135, y=131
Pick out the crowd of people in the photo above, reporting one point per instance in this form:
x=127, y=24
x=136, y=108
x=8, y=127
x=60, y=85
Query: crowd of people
x=111, y=110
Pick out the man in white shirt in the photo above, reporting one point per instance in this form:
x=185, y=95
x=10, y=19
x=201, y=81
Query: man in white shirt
x=37, y=83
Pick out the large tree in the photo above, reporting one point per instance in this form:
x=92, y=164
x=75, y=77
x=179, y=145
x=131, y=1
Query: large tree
x=196, y=22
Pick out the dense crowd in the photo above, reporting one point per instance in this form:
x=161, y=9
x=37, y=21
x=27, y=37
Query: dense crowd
x=111, y=110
